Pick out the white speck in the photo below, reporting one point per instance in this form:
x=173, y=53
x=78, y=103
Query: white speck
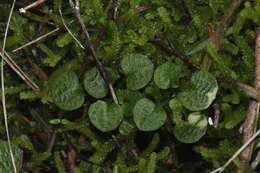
x=22, y=10
x=210, y=121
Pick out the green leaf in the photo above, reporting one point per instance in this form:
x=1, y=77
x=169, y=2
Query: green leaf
x=5, y=158
x=127, y=100
x=203, y=92
x=105, y=116
x=192, y=130
x=147, y=116
x=138, y=70
x=94, y=83
x=168, y=75
x=126, y=127
x=66, y=92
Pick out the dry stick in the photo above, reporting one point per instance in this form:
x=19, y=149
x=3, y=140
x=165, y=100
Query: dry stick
x=36, y=40
x=216, y=115
x=67, y=28
x=35, y=4
x=100, y=66
x=222, y=168
x=174, y=52
x=220, y=32
x=42, y=37
x=250, y=124
x=3, y=90
x=20, y=72
x=250, y=91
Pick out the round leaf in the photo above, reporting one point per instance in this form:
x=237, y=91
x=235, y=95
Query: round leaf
x=105, y=116
x=65, y=91
x=192, y=130
x=168, y=75
x=139, y=70
x=128, y=99
x=5, y=158
x=147, y=116
x=94, y=83
x=203, y=92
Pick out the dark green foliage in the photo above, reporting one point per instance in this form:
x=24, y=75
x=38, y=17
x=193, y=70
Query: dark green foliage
x=203, y=92
x=66, y=92
x=148, y=116
x=105, y=116
x=5, y=158
x=192, y=130
x=168, y=75
x=138, y=70
x=151, y=50
x=95, y=84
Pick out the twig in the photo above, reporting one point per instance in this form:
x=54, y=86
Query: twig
x=53, y=135
x=35, y=40
x=19, y=71
x=35, y=4
x=222, y=168
x=3, y=90
x=43, y=37
x=220, y=31
x=174, y=52
x=67, y=28
x=103, y=71
x=250, y=125
x=216, y=115
x=250, y=91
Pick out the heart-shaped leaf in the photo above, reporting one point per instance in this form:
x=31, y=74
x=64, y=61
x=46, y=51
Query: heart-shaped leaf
x=5, y=158
x=94, y=83
x=105, y=116
x=192, y=130
x=138, y=70
x=66, y=92
x=147, y=116
x=168, y=75
x=128, y=99
x=202, y=93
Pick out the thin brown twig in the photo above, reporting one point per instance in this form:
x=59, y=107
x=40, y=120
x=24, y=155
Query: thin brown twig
x=216, y=115
x=174, y=52
x=103, y=71
x=35, y=4
x=36, y=40
x=250, y=125
x=220, y=31
x=20, y=72
x=250, y=91
x=53, y=135
x=43, y=37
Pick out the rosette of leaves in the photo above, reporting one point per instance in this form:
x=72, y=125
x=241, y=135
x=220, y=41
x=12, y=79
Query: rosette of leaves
x=192, y=130
x=5, y=158
x=201, y=94
x=66, y=92
x=148, y=116
x=138, y=69
x=168, y=75
x=105, y=116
